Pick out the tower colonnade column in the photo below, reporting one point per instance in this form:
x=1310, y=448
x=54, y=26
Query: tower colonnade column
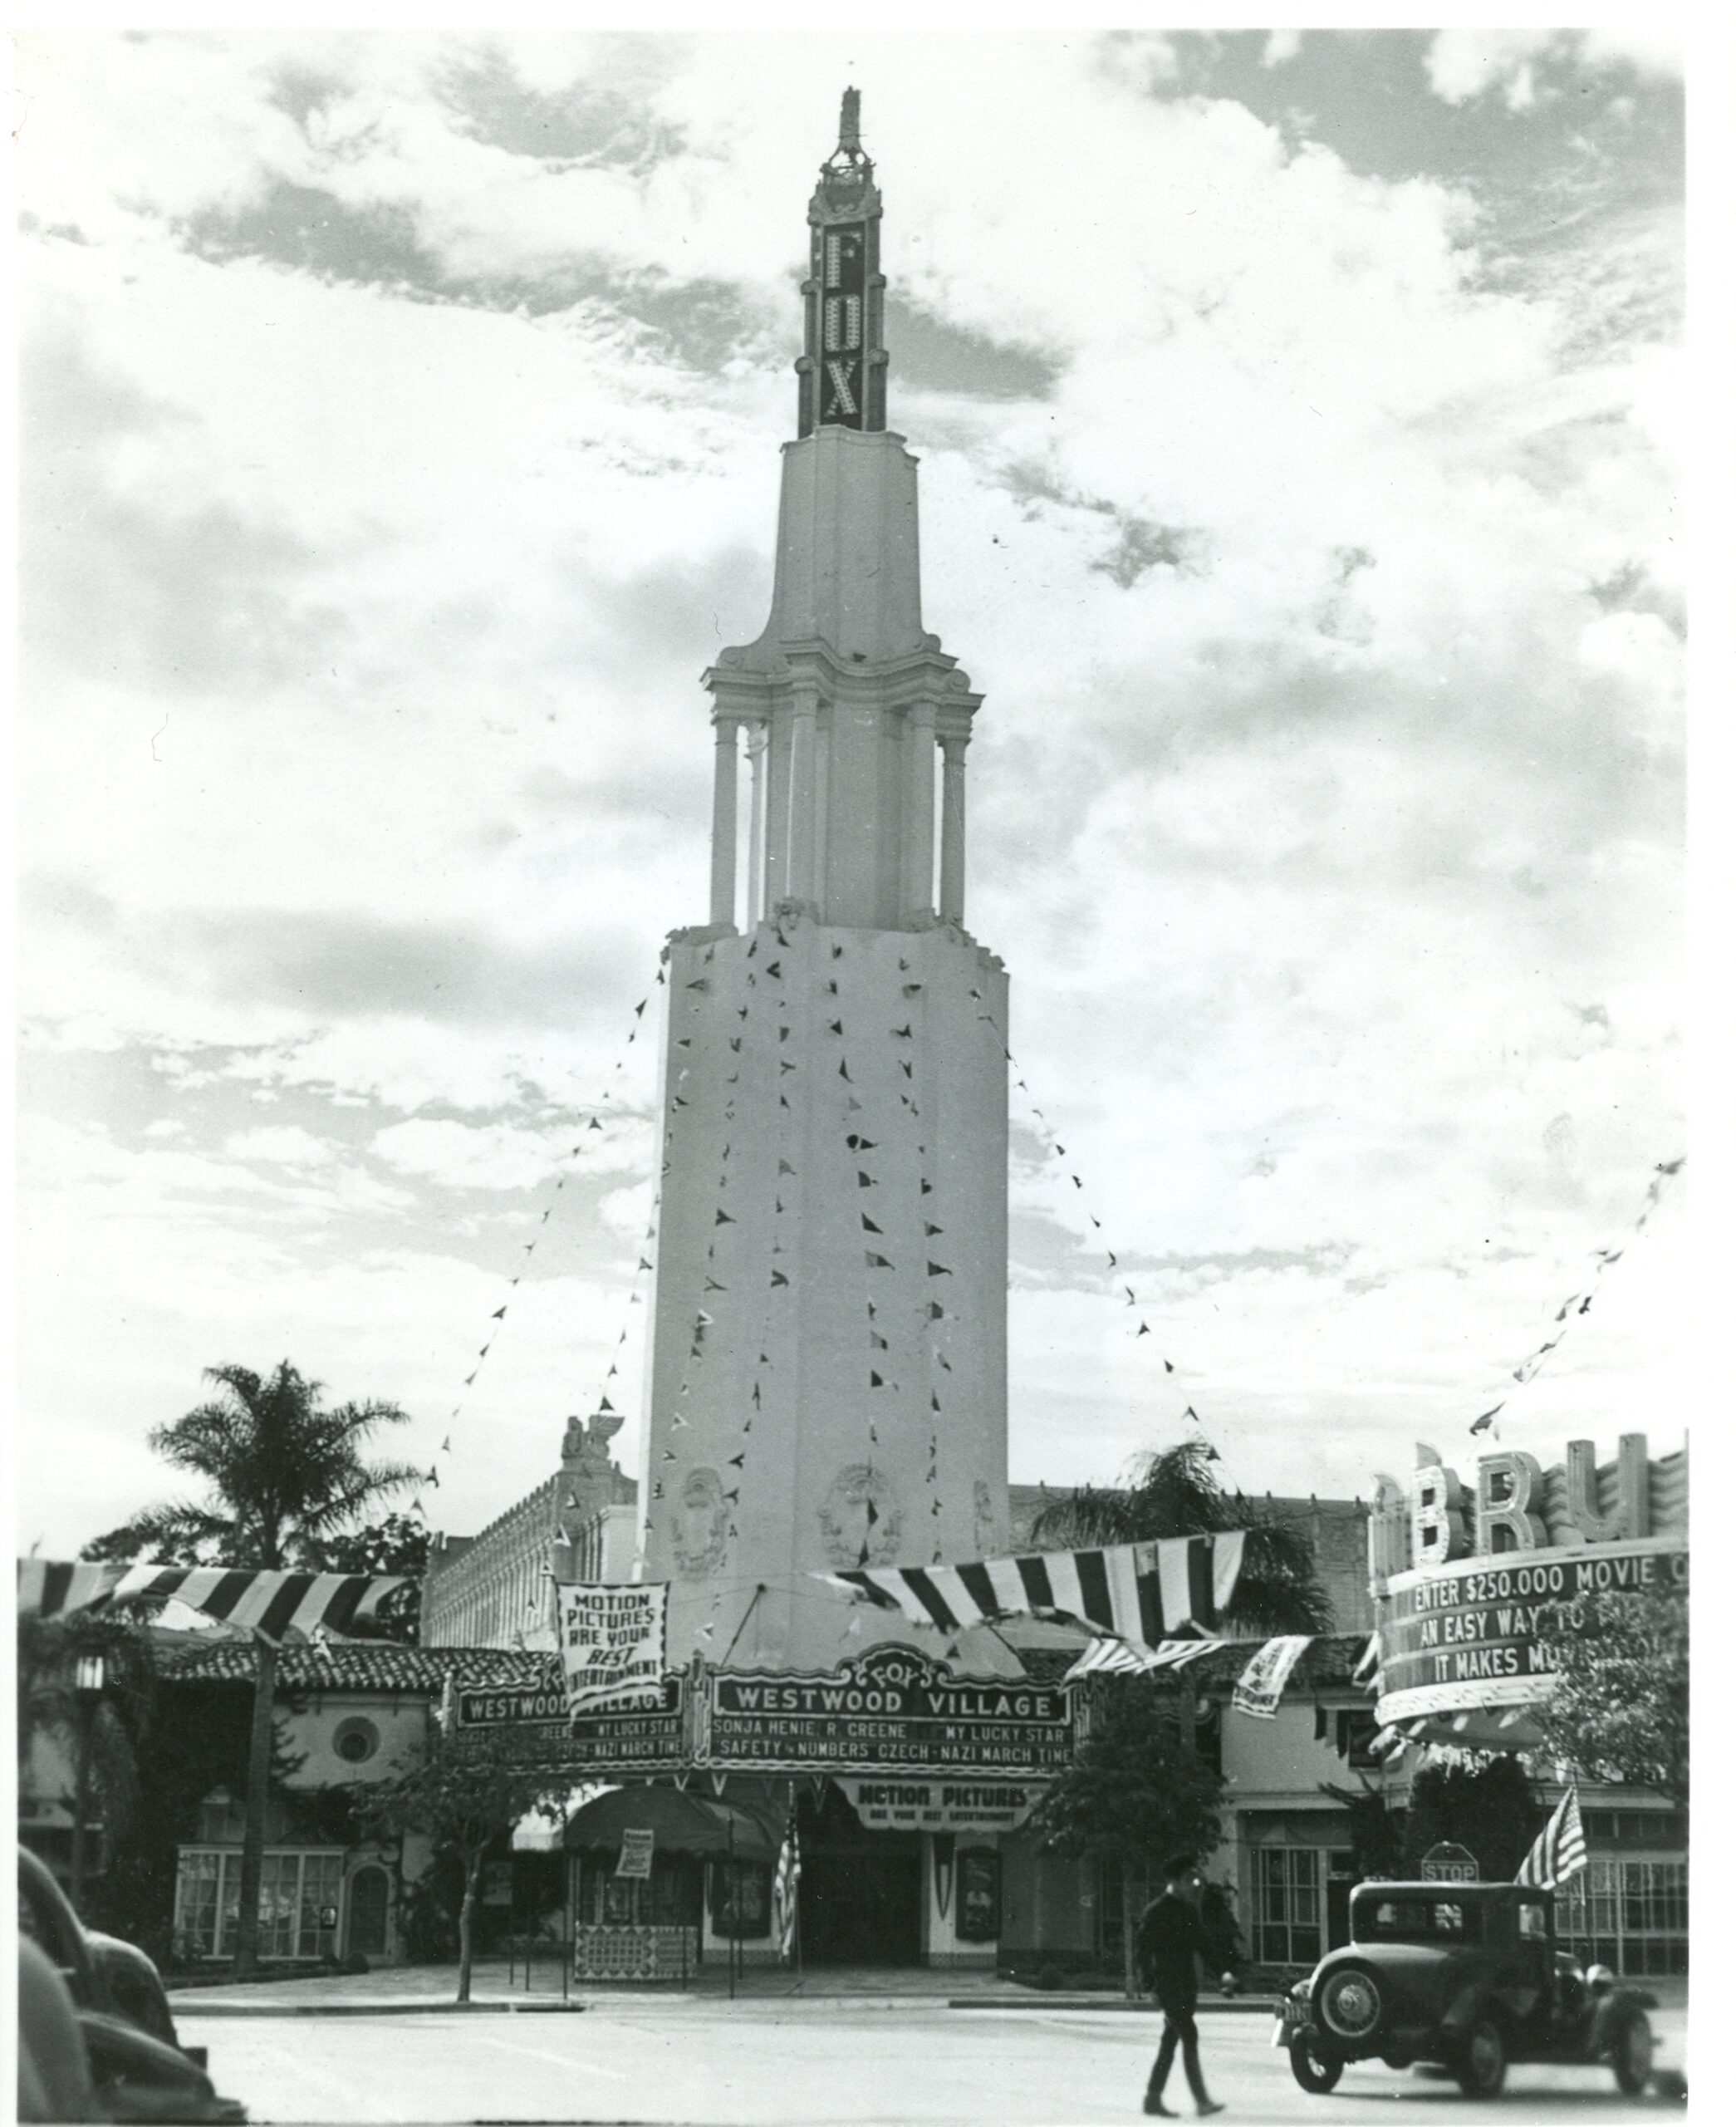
x=723, y=823
x=804, y=793
x=952, y=828
x=919, y=842
x=756, y=823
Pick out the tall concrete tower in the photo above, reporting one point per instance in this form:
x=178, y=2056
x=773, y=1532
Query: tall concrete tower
x=828, y=1377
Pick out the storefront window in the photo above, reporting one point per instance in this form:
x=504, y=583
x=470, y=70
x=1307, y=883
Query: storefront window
x=1287, y=1910
x=298, y=1902
x=1631, y=1915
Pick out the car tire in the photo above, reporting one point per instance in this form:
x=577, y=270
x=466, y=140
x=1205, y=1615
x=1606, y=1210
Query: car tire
x=1632, y=2053
x=1481, y=2064
x=1348, y=2003
x=1317, y=2072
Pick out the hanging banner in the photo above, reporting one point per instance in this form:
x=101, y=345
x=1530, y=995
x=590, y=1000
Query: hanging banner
x=1262, y=1682
x=612, y=1646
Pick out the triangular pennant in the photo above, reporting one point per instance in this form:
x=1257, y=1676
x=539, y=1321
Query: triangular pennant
x=835, y=1026
x=779, y=1279
x=868, y=1225
x=938, y=1270
x=723, y=1219
x=498, y=1315
x=784, y=1168
x=593, y=1124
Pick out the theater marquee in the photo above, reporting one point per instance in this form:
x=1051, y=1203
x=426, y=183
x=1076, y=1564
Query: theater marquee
x=891, y=1711
x=1482, y=1564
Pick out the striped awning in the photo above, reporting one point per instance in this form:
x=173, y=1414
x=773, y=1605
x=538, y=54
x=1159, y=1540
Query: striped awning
x=1143, y=1593
x=270, y=1602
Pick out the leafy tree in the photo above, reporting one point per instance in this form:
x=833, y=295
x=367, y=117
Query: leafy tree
x=461, y=1799
x=1135, y=1790
x=1618, y=1709
x=398, y=1545
x=1488, y=1806
x=1174, y=1493
x=114, y=1729
x=1377, y=1831
x=284, y=1475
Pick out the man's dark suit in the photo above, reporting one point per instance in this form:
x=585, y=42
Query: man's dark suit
x=1168, y=1946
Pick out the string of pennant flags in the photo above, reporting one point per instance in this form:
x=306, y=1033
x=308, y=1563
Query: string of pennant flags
x=592, y=1122
x=1049, y=1139
x=1577, y=1304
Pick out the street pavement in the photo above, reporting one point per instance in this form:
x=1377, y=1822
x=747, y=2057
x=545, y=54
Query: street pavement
x=860, y=2063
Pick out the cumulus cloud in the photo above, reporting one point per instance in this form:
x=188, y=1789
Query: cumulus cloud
x=1464, y=64
x=403, y=444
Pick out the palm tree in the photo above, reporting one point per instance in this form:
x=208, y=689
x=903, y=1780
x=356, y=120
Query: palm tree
x=285, y=1476
x=1172, y=1492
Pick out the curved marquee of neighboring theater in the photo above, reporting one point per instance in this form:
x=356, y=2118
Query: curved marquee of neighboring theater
x=1461, y=1572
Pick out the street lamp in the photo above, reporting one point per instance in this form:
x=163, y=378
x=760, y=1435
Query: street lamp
x=89, y=1676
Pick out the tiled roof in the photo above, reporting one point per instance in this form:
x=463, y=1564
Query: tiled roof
x=361, y=1665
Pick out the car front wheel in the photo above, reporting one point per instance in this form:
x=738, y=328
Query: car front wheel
x=1481, y=2066
x=1317, y=2072
x=1632, y=2057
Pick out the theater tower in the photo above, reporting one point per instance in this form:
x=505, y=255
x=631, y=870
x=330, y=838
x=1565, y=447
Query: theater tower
x=827, y=1383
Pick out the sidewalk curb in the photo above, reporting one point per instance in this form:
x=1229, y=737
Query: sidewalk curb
x=183, y=2008
x=1115, y=2004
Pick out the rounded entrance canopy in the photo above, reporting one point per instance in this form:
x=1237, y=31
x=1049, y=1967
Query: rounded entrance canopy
x=682, y=1824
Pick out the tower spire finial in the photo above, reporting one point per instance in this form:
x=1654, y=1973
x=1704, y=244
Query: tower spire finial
x=842, y=369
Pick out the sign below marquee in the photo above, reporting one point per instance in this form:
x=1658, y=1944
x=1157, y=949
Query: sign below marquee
x=918, y=1803
x=892, y=1710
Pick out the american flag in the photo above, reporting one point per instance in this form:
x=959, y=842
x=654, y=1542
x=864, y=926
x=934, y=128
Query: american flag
x=784, y=1886
x=1559, y=1849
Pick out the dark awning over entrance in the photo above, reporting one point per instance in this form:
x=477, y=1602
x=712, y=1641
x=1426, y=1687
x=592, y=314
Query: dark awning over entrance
x=683, y=1824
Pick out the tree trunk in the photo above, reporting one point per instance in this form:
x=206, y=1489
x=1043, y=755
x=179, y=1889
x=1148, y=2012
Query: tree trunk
x=252, y=1837
x=467, y=1914
x=1130, y=1977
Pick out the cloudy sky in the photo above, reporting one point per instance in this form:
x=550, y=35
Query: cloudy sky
x=1300, y=419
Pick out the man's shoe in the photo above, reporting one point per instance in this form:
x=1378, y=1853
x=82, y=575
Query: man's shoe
x=1206, y=2106
x=1156, y=2105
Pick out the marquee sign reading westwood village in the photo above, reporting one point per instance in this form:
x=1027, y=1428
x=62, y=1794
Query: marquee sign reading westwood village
x=971, y=1745
x=1463, y=1574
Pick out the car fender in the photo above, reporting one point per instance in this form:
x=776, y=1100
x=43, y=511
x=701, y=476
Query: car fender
x=1466, y=2006
x=1610, y=2017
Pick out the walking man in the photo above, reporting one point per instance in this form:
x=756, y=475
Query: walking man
x=1168, y=1947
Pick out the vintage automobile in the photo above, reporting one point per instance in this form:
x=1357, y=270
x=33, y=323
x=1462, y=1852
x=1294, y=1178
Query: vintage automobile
x=137, y=2067
x=1466, y=1976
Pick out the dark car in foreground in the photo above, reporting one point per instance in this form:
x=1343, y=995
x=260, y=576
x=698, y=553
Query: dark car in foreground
x=1467, y=1977
x=138, y=2069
